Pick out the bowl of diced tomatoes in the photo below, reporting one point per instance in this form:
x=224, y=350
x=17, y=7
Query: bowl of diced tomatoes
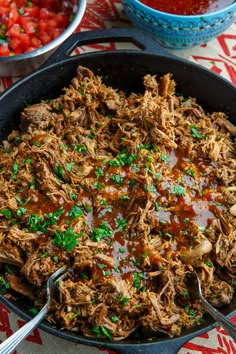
x=31, y=30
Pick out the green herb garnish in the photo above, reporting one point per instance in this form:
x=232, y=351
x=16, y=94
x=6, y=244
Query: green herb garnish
x=66, y=239
x=101, y=232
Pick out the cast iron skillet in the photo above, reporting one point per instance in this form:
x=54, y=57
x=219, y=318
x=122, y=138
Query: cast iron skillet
x=123, y=69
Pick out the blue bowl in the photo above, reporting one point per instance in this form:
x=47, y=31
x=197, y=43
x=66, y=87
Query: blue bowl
x=177, y=31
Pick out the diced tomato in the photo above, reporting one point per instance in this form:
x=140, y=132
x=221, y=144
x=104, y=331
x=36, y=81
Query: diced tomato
x=18, y=50
x=4, y=51
x=15, y=42
x=56, y=33
x=25, y=40
x=52, y=23
x=42, y=26
x=28, y=25
x=14, y=31
x=35, y=42
x=30, y=49
x=3, y=3
x=13, y=18
x=45, y=38
x=62, y=19
x=3, y=10
x=45, y=14
x=31, y=11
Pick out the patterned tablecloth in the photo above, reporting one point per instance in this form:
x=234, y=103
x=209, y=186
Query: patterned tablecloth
x=219, y=55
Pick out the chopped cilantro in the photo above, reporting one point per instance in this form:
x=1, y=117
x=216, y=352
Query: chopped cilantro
x=75, y=212
x=122, y=223
x=66, y=239
x=8, y=269
x=157, y=206
x=158, y=176
x=20, y=202
x=101, y=265
x=185, y=293
x=15, y=169
x=114, y=162
x=101, y=232
x=117, y=179
x=178, y=189
x=76, y=314
x=55, y=258
x=58, y=108
x=125, y=301
x=124, y=197
x=87, y=207
x=32, y=183
x=73, y=196
x=137, y=280
x=114, y=319
x=209, y=264
x=99, y=172
x=80, y=148
x=3, y=282
x=7, y=213
x=20, y=211
x=83, y=275
x=21, y=11
x=34, y=310
x=164, y=158
x=98, y=186
x=195, y=133
x=190, y=313
x=34, y=222
x=126, y=159
x=132, y=182
x=145, y=254
x=44, y=255
x=28, y=161
x=191, y=173
x=98, y=330
x=116, y=269
x=146, y=147
x=58, y=169
x=69, y=166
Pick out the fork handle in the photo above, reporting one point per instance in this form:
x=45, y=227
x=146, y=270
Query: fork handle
x=229, y=327
x=9, y=345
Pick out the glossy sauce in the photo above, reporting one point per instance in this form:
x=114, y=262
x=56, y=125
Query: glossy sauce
x=173, y=222
x=187, y=7
x=185, y=199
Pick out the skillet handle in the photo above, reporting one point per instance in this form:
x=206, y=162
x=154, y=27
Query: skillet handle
x=143, y=41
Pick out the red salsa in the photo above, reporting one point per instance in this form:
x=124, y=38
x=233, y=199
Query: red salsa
x=187, y=7
x=28, y=25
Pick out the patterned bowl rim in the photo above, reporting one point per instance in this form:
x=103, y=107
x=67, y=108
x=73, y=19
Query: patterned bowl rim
x=184, y=17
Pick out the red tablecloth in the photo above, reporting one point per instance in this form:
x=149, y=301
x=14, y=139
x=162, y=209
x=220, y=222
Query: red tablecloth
x=219, y=55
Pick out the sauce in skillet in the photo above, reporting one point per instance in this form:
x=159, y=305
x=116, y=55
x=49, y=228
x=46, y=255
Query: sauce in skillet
x=188, y=7
x=183, y=191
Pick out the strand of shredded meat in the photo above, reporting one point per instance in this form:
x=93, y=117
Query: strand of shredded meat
x=131, y=192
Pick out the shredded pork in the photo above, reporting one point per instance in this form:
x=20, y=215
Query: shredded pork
x=131, y=191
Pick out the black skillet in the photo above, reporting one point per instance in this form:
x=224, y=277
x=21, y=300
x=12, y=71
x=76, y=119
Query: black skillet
x=123, y=69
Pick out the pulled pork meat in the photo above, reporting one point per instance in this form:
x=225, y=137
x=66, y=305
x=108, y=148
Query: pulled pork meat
x=131, y=192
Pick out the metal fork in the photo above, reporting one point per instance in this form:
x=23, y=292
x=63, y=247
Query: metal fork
x=9, y=345
x=194, y=286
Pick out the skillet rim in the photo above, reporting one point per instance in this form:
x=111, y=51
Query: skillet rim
x=82, y=339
